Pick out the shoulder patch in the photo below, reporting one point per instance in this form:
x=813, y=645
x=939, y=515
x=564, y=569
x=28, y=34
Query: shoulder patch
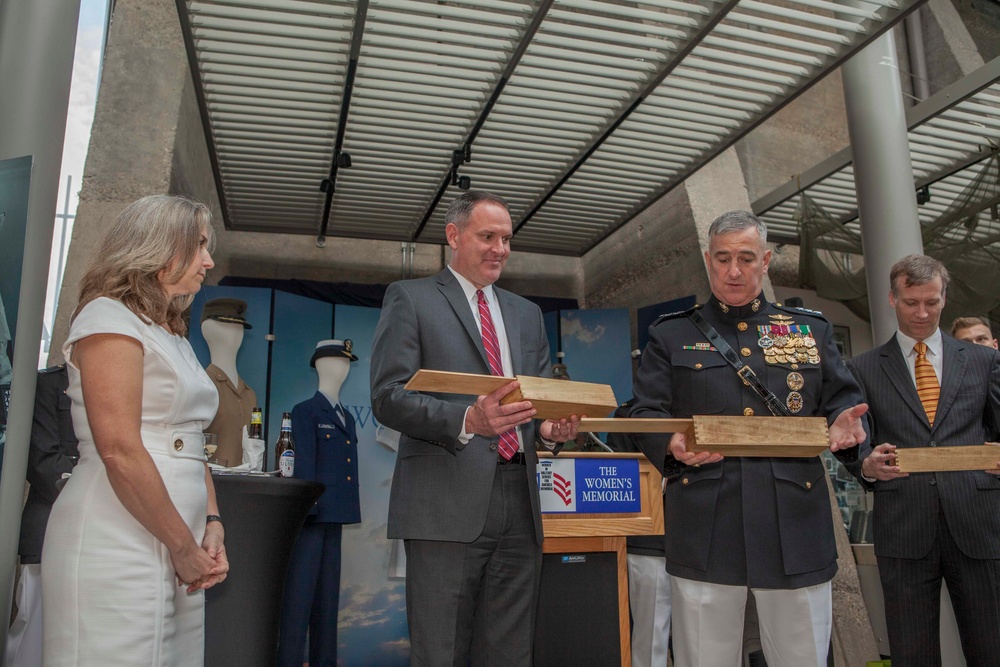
x=802, y=311
x=674, y=316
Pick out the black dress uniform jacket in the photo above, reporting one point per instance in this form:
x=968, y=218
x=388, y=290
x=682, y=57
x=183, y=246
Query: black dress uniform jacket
x=759, y=522
x=53, y=442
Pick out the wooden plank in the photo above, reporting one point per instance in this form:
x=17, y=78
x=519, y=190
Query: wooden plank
x=945, y=459
x=444, y=382
x=625, y=425
x=760, y=436
x=553, y=399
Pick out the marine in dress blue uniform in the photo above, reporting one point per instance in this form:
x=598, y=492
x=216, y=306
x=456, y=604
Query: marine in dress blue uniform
x=326, y=451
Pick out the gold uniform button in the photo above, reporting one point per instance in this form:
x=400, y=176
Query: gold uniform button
x=809, y=485
x=745, y=351
x=348, y=460
x=178, y=444
x=327, y=436
x=348, y=478
x=348, y=442
x=684, y=481
x=748, y=412
x=697, y=365
x=742, y=326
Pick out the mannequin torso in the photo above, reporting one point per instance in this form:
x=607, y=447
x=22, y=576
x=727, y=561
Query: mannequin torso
x=224, y=340
x=236, y=399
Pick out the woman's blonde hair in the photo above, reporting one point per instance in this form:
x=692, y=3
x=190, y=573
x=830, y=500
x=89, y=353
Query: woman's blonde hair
x=158, y=234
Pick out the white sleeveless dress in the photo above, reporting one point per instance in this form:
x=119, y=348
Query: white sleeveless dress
x=109, y=593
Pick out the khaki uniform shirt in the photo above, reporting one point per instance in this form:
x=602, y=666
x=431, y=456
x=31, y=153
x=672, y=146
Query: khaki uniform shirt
x=235, y=406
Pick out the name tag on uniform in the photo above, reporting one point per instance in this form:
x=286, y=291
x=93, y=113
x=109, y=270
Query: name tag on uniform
x=325, y=426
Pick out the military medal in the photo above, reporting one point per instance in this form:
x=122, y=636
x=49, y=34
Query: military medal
x=795, y=381
x=764, y=340
x=794, y=402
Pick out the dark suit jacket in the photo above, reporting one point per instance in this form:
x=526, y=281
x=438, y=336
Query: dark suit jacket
x=762, y=522
x=53, y=442
x=441, y=488
x=327, y=451
x=906, y=510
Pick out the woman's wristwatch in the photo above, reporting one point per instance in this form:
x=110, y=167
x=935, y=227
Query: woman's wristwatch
x=212, y=517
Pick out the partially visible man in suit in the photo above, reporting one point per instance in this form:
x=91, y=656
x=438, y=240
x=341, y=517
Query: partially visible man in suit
x=974, y=330
x=927, y=389
x=464, y=496
x=51, y=457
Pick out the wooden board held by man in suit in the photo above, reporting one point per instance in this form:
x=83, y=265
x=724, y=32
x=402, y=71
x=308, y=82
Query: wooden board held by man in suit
x=927, y=389
x=464, y=497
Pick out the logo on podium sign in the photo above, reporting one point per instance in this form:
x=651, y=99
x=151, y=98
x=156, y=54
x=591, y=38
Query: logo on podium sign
x=589, y=485
x=557, y=485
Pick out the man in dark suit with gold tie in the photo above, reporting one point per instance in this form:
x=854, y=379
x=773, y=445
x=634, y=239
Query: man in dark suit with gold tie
x=464, y=495
x=928, y=389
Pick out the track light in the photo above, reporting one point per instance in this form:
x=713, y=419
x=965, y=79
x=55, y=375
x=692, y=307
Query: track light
x=325, y=185
x=923, y=195
x=344, y=160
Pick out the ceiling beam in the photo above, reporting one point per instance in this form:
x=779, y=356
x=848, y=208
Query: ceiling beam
x=206, y=121
x=693, y=41
x=329, y=185
x=916, y=116
x=465, y=149
x=830, y=66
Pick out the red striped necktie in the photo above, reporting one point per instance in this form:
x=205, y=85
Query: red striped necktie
x=927, y=383
x=508, y=440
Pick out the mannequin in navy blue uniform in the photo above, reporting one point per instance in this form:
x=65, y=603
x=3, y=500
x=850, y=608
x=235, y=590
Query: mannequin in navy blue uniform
x=326, y=450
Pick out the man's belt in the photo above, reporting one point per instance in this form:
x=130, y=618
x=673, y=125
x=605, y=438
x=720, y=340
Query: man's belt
x=746, y=373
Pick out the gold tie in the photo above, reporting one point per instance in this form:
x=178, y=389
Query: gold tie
x=927, y=383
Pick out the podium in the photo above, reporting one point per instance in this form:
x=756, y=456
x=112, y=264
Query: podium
x=590, y=503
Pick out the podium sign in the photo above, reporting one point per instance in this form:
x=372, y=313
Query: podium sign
x=590, y=502
x=594, y=486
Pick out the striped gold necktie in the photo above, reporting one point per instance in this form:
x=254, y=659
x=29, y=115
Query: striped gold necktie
x=927, y=383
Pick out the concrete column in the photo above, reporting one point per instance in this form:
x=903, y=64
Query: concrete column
x=887, y=205
x=37, y=42
x=132, y=140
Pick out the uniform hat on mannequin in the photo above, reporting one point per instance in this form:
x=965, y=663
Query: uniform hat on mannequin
x=333, y=348
x=226, y=310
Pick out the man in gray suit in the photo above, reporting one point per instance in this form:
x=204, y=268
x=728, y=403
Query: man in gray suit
x=933, y=525
x=464, y=497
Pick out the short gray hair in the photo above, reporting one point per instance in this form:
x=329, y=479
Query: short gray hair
x=918, y=270
x=460, y=209
x=737, y=221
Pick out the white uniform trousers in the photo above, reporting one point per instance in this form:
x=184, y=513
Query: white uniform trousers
x=795, y=625
x=24, y=643
x=649, y=601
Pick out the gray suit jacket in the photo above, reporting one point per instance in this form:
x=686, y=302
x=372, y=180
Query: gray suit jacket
x=906, y=510
x=441, y=488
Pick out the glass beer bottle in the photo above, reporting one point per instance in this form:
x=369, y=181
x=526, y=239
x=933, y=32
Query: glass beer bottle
x=256, y=430
x=284, y=449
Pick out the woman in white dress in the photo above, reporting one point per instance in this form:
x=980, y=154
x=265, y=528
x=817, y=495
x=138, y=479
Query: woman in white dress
x=134, y=539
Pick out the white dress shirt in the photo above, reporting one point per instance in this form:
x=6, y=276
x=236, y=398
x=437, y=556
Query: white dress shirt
x=935, y=353
x=508, y=365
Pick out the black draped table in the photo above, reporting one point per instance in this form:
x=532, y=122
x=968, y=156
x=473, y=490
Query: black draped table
x=262, y=517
